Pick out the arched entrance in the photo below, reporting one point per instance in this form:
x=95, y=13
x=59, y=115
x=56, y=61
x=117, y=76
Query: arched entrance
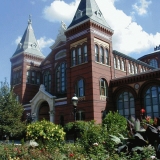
x=43, y=105
x=44, y=111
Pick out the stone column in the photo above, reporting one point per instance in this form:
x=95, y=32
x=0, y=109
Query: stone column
x=52, y=116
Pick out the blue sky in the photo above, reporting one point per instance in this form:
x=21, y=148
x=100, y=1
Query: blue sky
x=136, y=25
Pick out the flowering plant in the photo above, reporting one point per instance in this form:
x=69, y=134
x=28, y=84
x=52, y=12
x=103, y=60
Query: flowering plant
x=45, y=132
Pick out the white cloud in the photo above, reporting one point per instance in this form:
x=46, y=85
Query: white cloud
x=141, y=7
x=44, y=43
x=18, y=40
x=59, y=10
x=129, y=37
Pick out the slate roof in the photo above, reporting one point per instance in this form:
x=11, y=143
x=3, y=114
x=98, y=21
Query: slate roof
x=88, y=10
x=28, y=43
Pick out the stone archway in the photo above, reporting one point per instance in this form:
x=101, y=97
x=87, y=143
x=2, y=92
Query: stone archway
x=40, y=99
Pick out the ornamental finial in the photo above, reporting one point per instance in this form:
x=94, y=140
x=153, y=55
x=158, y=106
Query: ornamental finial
x=29, y=20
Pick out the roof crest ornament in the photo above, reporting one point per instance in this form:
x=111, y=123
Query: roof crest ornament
x=62, y=29
x=29, y=20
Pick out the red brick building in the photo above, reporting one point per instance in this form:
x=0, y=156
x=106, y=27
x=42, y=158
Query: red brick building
x=82, y=61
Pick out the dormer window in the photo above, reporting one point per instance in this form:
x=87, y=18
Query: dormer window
x=98, y=13
x=79, y=14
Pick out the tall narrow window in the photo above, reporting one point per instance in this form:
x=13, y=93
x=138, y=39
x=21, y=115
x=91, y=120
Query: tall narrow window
x=80, y=115
x=73, y=57
x=38, y=78
x=107, y=57
x=152, y=101
x=79, y=56
x=136, y=69
x=28, y=76
x=129, y=68
x=85, y=53
x=118, y=66
x=101, y=55
x=132, y=68
x=115, y=63
x=96, y=53
x=103, y=87
x=61, y=78
x=33, y=77
x=122, y=65
x=80, y=88
x=125, y=104
x=47, y=81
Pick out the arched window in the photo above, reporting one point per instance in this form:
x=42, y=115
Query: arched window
x=125, y=104
x=73, y=57
x=101, y=55
x=107, y=57
x=152, y=101
x=96, y=53
x=33, y=77
x=119, y=67
x=136, y=69
x=115, y=63
x=129, y=68
x=103, y=87
x=79, y=56
x=47, y=81
x=122, y=65
x=80, y=88
x=132, y=68
x=85, y=54
x=153, y=62
x=61, y=78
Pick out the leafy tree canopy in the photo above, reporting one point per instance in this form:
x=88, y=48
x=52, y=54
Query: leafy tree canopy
x=10, y=112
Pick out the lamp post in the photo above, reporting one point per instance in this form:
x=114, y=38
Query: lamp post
x=74, y=102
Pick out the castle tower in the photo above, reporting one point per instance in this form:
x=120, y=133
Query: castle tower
x=25, y=62
x=89, y=57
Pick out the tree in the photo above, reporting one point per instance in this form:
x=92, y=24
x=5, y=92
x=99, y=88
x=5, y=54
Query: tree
x=10, y=112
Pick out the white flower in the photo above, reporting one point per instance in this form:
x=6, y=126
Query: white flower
x=152, y=157
x=95, y=144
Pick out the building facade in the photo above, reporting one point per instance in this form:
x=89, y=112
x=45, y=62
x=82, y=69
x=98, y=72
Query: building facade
x=82, y=61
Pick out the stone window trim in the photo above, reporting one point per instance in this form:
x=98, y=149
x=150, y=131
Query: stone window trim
x=79, y=55
x=101, y=54
x=103, y=87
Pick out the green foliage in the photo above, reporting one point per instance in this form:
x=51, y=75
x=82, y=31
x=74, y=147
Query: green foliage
x=115, y=123
x=10, y=112
x=45, y=132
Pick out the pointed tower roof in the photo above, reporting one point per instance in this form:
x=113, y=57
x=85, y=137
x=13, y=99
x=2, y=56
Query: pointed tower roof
x=28, y=43
x=88, y=10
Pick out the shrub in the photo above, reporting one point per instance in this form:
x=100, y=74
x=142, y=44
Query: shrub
x=115, y=123
x=45, y=132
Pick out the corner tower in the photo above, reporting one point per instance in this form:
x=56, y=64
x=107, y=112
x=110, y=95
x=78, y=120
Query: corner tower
x=89, y=56
x=25, y=62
